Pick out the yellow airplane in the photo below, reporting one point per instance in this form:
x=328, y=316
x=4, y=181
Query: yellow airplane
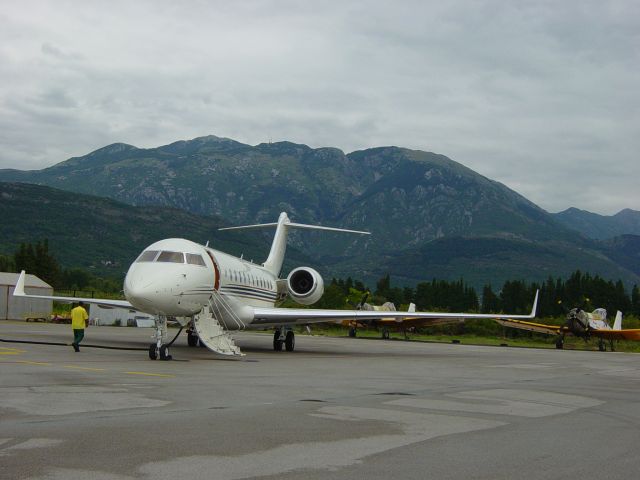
x=581, y=324
x=386, y=323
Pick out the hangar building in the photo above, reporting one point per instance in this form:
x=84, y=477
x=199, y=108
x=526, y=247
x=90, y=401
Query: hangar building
x=16, y=308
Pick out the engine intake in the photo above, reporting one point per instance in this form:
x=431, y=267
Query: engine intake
x=305, y=285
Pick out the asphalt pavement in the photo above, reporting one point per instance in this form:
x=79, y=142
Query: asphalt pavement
x=336, y=408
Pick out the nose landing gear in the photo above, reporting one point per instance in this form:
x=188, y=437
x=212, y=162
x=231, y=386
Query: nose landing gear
x=159, y=348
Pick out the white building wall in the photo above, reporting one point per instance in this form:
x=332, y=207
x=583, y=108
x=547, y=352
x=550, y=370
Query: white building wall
x=19, y=308
x=116, y=316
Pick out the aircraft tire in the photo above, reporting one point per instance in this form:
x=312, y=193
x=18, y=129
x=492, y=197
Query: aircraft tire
x=277, y=343
x=385, y=334
x=602, y=346
x=290, y=341
x=192, y=340
x=559, y=344
x=153, y=351
x=352, y=332
x=164, y=353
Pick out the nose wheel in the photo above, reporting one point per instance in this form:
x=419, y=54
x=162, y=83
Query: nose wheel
x=159, y=349
x=162, y=352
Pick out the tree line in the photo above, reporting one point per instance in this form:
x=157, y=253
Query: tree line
x=39, y=261
x=557, y=295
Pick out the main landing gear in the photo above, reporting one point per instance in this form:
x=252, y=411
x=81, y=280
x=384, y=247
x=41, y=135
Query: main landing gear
x=192, y=339
x=602, y=345
x=284, y=337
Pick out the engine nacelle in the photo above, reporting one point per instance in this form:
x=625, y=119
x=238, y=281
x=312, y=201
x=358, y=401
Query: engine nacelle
x=305, y=285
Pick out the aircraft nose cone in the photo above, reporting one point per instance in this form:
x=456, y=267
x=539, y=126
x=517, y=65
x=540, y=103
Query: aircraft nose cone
x=138, y=288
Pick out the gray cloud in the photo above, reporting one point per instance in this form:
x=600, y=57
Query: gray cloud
x=541, y=96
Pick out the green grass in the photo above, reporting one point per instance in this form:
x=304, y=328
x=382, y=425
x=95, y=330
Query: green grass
x=535, y=341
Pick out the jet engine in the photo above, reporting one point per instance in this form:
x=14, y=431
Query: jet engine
x=305, y=285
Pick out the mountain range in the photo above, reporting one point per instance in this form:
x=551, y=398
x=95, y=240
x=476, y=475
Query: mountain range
x=601, y=227
x=105, y=235
x=430, y=216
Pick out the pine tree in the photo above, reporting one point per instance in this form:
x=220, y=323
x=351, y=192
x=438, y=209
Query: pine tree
x=38, y=261
x=383, y=287
x=7, y=264
x=635, y=301
x=490, y=301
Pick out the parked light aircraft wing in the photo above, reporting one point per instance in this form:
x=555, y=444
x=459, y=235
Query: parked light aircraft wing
x=628, y=334
x=103, y=302
x=530, y=326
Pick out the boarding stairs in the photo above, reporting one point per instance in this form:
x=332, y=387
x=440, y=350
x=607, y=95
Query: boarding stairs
x=212, y=334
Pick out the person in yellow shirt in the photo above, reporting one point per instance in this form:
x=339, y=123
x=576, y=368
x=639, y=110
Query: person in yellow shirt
x=79, y=319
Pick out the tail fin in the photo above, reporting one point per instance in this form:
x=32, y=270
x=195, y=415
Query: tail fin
x=617, y=324
x=534, y=308
x=278, y=247
x=18, y=290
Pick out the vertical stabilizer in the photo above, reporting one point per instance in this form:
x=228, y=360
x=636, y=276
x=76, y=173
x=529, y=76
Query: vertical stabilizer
x=617, y=324
x=279, y=246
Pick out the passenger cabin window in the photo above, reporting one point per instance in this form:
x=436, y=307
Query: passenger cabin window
x=171, y=257
x=147, y=256
x=194, y=259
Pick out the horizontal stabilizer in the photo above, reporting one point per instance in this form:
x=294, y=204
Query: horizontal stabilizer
x=295, y=225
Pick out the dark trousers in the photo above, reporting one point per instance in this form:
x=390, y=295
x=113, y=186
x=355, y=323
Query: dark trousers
x=78, y=335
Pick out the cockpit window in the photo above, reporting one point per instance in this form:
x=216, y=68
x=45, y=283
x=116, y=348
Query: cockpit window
x=172, y=257
x=147, y=256
x=194, y=259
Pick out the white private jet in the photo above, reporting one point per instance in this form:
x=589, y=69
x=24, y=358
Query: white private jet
x=212, y=293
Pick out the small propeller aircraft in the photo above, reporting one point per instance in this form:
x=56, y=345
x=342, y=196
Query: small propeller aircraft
x=581, y=324
x=211, y=293
x=385, y=324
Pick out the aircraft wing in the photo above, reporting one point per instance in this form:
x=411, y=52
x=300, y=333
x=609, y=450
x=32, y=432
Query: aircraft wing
x=279, y=316
x=103, y=302
x=628, y=334
x=530, y=326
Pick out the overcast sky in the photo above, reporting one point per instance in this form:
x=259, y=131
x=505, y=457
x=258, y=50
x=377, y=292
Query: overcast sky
x=543, y=96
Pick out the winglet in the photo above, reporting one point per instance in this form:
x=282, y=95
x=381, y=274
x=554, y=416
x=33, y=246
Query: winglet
x=412, y=308
x=18, y=291
x=535, y=305
x=617, y=324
